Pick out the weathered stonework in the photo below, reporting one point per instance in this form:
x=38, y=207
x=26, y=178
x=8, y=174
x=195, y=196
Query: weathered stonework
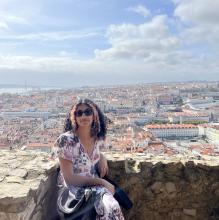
x=169, y=188
x=161, y=188
x=27, y=185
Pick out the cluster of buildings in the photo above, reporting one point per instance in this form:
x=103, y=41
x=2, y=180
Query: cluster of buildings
x=148, y=118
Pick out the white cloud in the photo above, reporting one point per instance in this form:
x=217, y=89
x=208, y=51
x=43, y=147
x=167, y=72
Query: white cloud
x=156, y=67
x=64, y=53
x=8, y=18
x=56, y=64
x=141, y=10
x=139, y=41
x=198, y=12
x=156, y=28
x=59, y=35
x=153, y=50
x=53, y=35
x=202, y=22
x=3, y=25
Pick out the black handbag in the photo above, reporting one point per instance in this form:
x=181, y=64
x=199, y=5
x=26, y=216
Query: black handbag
x=81, y=207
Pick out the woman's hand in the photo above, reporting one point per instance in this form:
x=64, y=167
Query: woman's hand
x=109, y=186
x=103, y=166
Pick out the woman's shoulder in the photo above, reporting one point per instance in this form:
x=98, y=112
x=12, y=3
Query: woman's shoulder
x=68, y=134
x=67, y=138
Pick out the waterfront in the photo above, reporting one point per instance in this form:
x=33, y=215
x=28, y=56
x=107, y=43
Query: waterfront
x=20, y=90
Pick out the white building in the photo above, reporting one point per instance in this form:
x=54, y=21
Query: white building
x=188, y=117
x=211, y=132
x=24, y=114
x=173, y=130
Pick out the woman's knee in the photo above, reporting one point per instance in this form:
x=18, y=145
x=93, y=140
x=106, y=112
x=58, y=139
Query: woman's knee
x=110, y=202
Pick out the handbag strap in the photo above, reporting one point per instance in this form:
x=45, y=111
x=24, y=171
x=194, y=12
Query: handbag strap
x=66, y=198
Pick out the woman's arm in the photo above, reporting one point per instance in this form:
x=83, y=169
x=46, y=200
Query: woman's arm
x=103, y=166
x=77, y=180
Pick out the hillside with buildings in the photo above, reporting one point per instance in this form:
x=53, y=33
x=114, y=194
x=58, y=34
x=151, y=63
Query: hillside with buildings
x=157, y=119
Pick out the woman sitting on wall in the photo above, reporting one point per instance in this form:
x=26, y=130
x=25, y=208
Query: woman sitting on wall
x=79, y=155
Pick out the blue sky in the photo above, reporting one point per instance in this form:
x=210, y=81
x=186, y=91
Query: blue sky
x=94, y=42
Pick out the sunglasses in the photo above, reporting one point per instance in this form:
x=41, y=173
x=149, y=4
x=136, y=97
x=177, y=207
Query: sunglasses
x=87, y=112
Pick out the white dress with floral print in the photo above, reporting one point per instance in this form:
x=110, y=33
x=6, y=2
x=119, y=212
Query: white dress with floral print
x=68, y=147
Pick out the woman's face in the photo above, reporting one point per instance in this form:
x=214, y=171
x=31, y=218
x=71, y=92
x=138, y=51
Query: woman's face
x=84, y=115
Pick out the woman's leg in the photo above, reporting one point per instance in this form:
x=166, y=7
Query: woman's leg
x=108, y=208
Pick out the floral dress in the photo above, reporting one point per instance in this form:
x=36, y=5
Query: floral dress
x=68, y=147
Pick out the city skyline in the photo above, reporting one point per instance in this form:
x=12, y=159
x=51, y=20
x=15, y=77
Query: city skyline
x=79, y=43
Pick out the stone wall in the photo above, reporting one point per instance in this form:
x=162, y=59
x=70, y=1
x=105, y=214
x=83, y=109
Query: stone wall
x=27, y=186
x=169, y=190
x=160, y=188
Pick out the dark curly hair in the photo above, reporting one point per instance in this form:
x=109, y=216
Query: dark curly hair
x=98, y=127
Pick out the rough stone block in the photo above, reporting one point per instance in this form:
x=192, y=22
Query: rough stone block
x=156, y=187
x=191, y=212
x=19, y=172
x=170, y=187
